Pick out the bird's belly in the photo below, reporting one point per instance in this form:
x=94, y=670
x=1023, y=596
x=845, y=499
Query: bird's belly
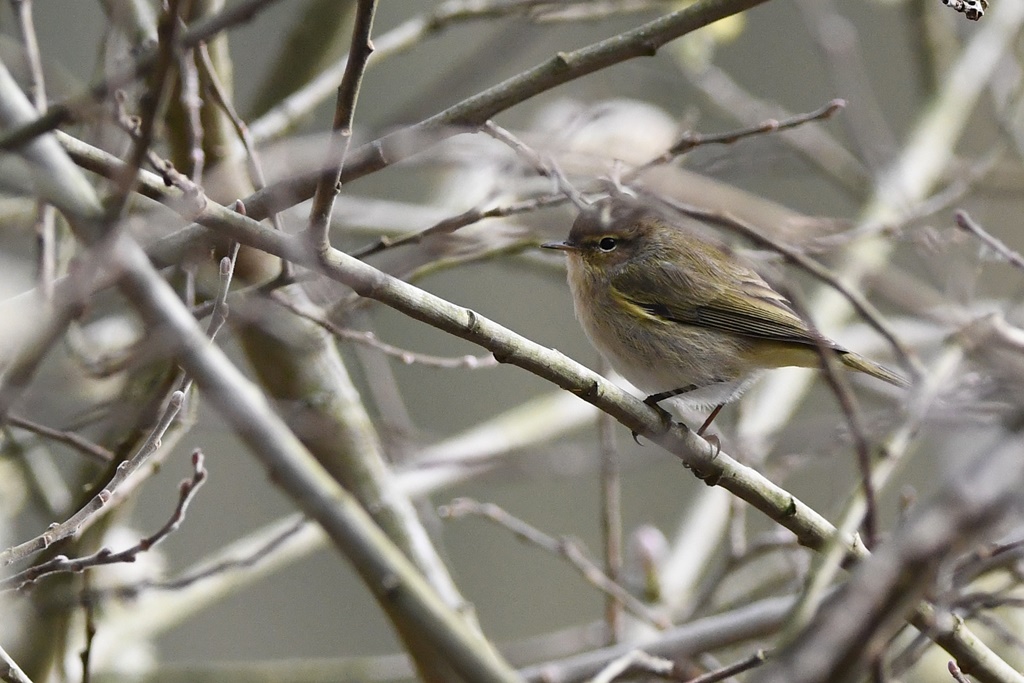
x=705, y=390
x=657, y=359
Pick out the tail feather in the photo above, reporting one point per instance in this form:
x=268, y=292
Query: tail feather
x=861, y=364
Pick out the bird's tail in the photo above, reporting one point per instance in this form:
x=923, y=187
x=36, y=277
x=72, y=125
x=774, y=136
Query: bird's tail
x=862, y=364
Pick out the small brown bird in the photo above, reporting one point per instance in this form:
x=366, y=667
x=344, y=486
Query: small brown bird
x=680, y=315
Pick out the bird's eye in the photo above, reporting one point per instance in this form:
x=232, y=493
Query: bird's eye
x=607, y=244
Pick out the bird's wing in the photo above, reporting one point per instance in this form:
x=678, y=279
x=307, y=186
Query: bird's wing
x=753, y=309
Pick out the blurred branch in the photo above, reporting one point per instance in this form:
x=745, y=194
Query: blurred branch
x=813, y=143
x=318, y=36
x=46, y=229
x=690, y=140
x=10, y=671
x=229, y=570
x=892, y=457
x=903, y=184
x=153, y=606
x=545, y=167
x=474, y=111
x=745, y=664
x=840, y=48
x=223, y=100
x=191, y=103
x=707, y=634
x=561, y=547
x=716, y=632
x=200, y=32
x=637, y=661
x=80, y=444
x=611, y=515
x=371, y=340
x=965, y=222
x=870, y=608
x=449, y=225
x=286, y=113
x=393, y=579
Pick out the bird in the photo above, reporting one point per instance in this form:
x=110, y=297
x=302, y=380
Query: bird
x=679, y=314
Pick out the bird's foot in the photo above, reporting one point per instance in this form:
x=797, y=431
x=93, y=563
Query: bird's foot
x=666, y=417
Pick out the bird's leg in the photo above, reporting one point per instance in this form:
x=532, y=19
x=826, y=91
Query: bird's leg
x=654, y=399
x=711, y=418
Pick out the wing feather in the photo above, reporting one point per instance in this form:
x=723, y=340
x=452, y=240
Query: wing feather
x=752, y=309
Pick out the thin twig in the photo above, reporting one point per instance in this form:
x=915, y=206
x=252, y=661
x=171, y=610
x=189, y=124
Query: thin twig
x=341, y=138
x=151, y=105
x=611, y=516
x=89, y=624
x=636, y=660
x=691, y=140
x=186, y=493
x=256, y=175
x=256, y=557
x=462, y=220
x=986, y=559
x=562, y=547
x=73, y=524
x=546, y=167
x=219, y=314
x=299, y=104
x=965, y=222
x=192, y=103
x=854, y=419
x=46, y=228
x=813, y=143
x=172, y=177
x=371, y=340
x=746, y=664
x=79, y=443
x=474, y=111
x=303, y=101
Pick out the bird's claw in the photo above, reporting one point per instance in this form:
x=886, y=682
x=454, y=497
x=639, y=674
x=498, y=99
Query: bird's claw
x=666, y=417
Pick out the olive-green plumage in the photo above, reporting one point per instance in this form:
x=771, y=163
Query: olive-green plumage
x=674, y=310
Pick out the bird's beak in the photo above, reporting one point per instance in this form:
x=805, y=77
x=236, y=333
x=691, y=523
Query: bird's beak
x=560, y=246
